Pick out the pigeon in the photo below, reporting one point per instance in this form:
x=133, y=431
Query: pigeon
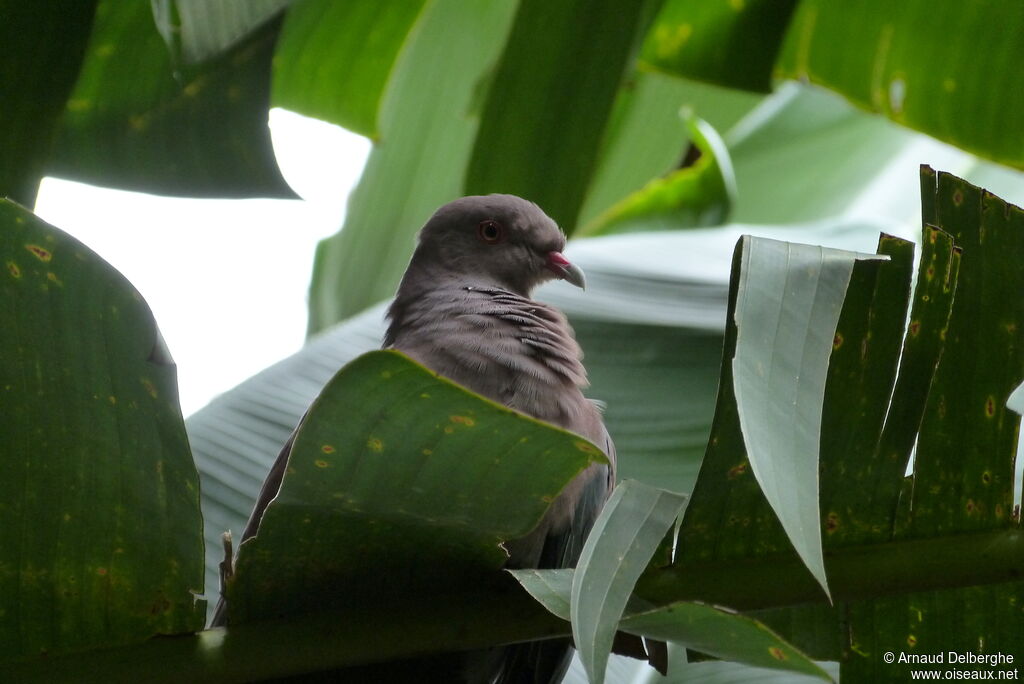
x=463, y=309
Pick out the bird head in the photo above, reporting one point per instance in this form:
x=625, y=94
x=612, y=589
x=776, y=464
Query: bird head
x=499, y=240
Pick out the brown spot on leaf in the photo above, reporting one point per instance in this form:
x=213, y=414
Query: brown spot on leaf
x=777, y=653
x=13, y=269
x=971, y=507
x=40, y=253
x=832, y=522
x=462, y=420
x=737, y=470
x=914, y=328
x=911, y=640
x=327, y=449
x=837, y=341
x=990, y=407
x=986, y=477
x=320, y=463
x=374, y=444
x=958, y=197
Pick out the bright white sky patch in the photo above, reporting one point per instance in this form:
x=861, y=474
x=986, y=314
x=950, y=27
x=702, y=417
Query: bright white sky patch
x=226, y=279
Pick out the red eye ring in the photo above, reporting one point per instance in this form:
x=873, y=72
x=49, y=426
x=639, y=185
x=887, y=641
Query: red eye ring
x=490, y=232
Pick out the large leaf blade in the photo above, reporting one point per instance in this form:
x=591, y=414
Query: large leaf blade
x=196, y=30
x=723, y=634
x=701, y=193
x=788, y=304
x=729, y=43
x=94, y=459
x=577, y=53
x=38, y=74
x=333, y=60
x=427, y=129
x=920, y=66
x=621, y=543
x=134, y=122
x=399, y=481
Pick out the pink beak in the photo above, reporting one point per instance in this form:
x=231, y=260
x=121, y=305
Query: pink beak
x=566, y=270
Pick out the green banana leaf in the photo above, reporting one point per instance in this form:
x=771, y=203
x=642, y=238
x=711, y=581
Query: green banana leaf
x=920, y=65
x=956, y=506
x=426, y=127
x=333, y=60
x=195, y=31
x=38, y=74
x=399, y=481
x=137, y=121
x=549, y=98
x=917, y=64
x=729, y=42
x=100, y=529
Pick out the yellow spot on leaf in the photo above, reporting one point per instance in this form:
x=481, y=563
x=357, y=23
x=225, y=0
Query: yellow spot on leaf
x=105, y=50
x=192, y=89
x=670, y=39
x=586, y=448
x=67, y=517
x=52, y=277
x=150, y=387
x=911, y=640
x=448, y=429
x=375, y=445
x=949, y=85
x=462, y=420
x=138, y=123
x=319, y=463
x=79, y=104
x=424, y=396
x=40, y=253
x=102, y=572
x=737, y=5
x=428, y=452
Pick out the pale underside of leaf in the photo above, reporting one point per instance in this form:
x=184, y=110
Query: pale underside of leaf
x=788, y=304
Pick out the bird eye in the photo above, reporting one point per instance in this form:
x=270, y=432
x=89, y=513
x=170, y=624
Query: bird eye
x=490, y=231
